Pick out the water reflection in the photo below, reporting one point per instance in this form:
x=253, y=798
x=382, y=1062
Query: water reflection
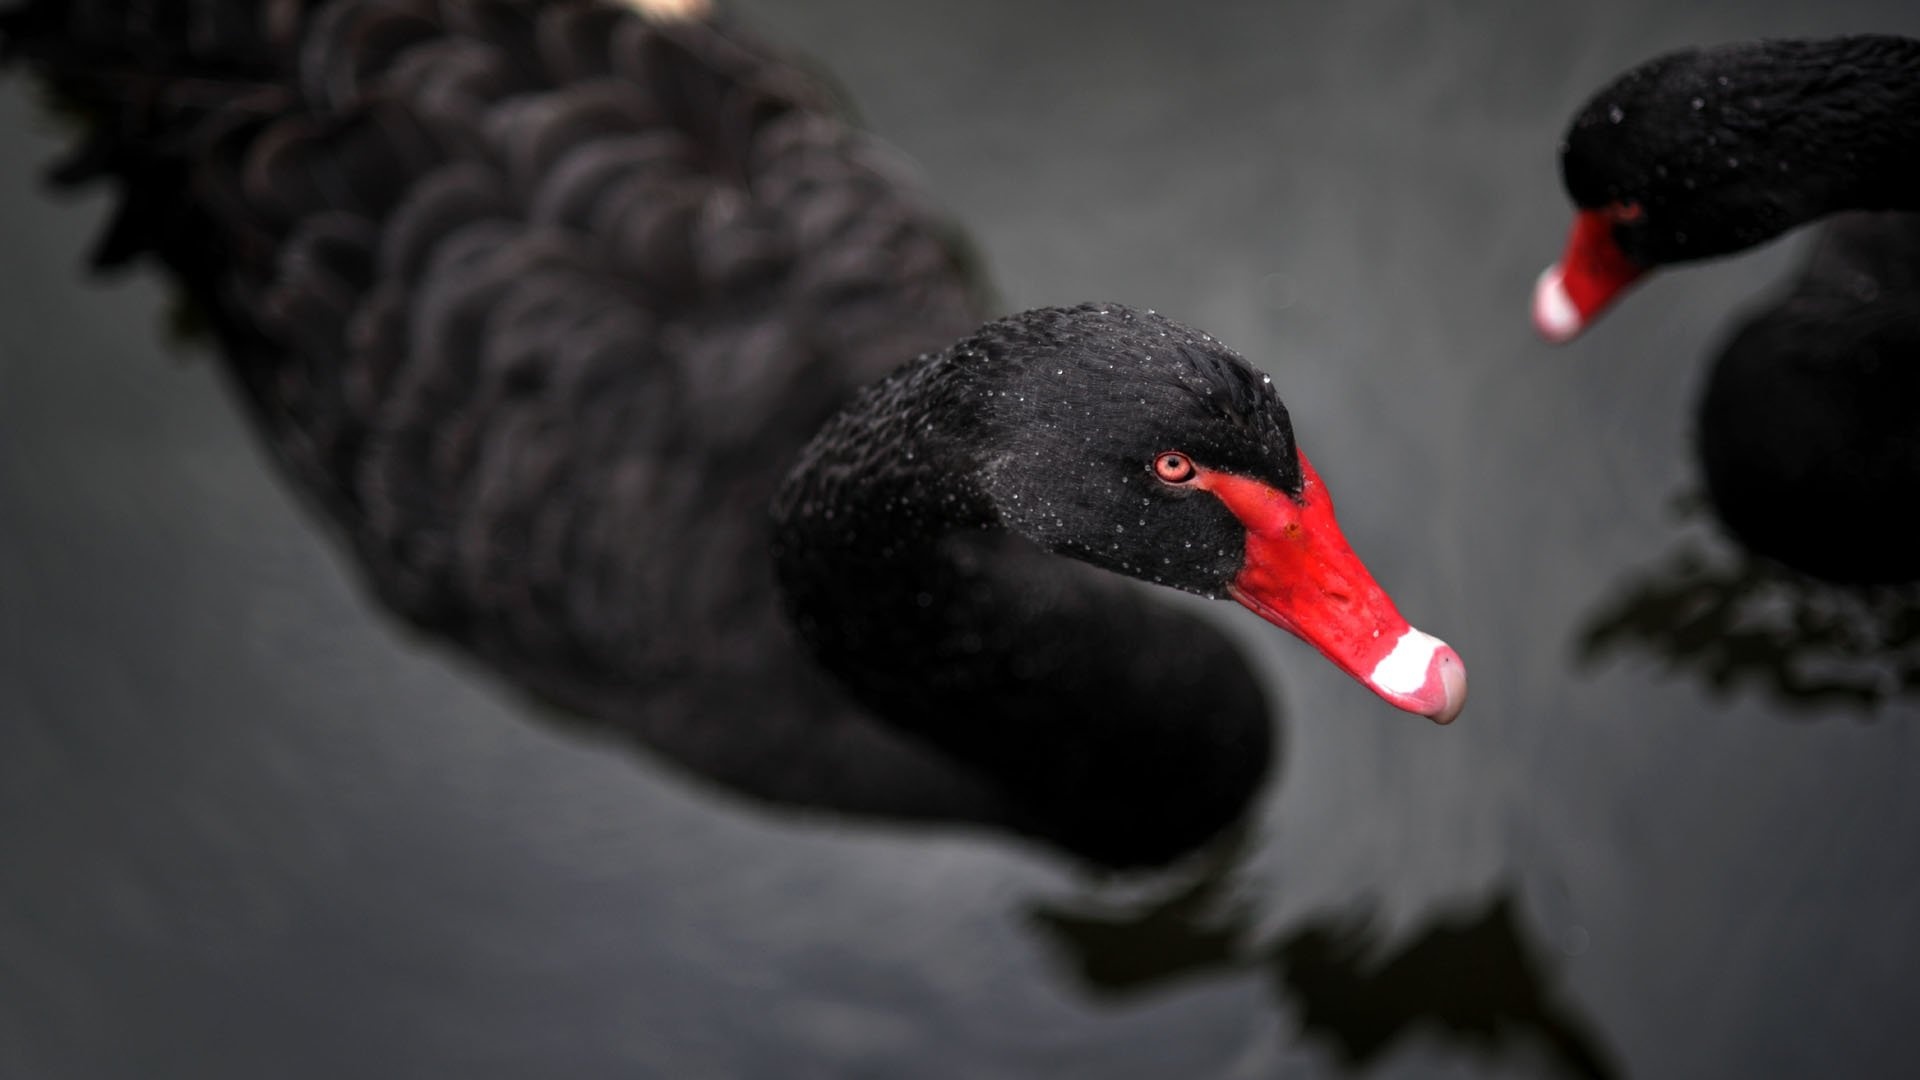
x=1118, y=947
x=1734, y=620
x=1471, y=976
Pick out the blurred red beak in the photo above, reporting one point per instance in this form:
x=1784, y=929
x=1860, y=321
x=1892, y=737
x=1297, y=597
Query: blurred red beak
x=1590, y=276
x=1302, y=576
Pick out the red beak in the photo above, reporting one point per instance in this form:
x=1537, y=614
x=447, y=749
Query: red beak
x=1301, y=575
x=1590, y=276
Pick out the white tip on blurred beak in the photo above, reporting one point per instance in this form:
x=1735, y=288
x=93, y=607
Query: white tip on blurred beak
x=1554, y=314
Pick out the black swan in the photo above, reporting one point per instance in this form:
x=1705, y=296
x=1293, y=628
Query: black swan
x=1706, y=152
x=561, y=313
x=1805, y=432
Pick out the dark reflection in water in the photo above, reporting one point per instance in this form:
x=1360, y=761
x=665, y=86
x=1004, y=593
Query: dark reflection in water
x=1737, y=621
x=1471, y=976
x=1120, y=948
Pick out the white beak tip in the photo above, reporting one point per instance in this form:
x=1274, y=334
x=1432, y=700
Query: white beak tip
x=1554, y=313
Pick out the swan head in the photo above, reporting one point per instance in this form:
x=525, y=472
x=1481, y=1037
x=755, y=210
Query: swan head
x=1123, y=439
x=1696, y=154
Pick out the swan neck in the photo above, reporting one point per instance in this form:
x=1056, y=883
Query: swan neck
x=859, y=523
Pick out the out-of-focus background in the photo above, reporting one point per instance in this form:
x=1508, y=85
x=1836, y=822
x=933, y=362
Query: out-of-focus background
x=250, y=828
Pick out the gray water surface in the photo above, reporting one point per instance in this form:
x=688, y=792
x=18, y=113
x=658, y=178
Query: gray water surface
x=250, y=828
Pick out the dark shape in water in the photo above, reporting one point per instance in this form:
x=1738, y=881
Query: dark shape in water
x=1741, y=623
x=1199, y=929
x=1473, y=978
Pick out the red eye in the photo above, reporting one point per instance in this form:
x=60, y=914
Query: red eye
x=1621, y=213
x=1174, y=468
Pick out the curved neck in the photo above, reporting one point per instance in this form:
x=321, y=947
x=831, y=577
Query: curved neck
x=859, y=547
x=1126, y=728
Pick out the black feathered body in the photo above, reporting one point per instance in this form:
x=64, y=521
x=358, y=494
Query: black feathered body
x=1809, y=427
x=537, y=304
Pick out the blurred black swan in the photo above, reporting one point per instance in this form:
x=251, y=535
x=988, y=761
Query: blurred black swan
x=1706, y=152
x=1808, y=440
x=561, y=313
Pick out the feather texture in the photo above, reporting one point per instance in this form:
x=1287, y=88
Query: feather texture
x=524, y=296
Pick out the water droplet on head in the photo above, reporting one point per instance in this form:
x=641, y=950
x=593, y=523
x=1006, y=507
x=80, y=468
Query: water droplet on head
x=1698, y=104
x=1616, y=114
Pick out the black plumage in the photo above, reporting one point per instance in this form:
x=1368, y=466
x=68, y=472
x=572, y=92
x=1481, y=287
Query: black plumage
x=1807, y=434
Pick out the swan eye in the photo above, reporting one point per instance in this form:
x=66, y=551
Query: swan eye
x=1624, y=212
x=1173, y=467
